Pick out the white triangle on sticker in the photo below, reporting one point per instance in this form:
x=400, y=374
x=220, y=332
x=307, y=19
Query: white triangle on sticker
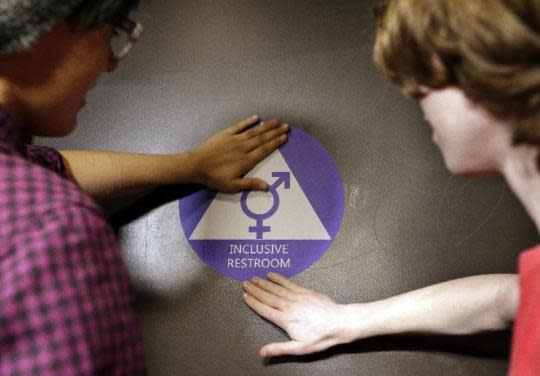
x=294, y=219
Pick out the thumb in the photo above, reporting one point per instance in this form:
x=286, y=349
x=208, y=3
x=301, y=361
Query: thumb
x=283, y=348
x=251, y=184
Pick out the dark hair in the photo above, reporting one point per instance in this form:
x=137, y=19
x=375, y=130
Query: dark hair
x=23, y=22
x=90, y=14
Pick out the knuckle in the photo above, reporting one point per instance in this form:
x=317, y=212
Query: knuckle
x=244, y=135
x=271, y=124
x=261, y=139
x=243, y=147
x=273, y=317
x=269, y=147
x=238, y=145
x=275, y=136
x=287, y=306
x=276, y=132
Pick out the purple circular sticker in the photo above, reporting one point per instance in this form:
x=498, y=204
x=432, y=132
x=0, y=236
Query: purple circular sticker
x=284, y=230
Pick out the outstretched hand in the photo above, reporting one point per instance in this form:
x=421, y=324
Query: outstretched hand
x=222, y=160
x=314, y=321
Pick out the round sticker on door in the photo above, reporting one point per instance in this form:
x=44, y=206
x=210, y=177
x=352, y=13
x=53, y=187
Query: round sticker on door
x=284, y=230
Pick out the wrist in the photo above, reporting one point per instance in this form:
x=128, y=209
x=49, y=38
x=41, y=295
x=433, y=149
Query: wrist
x=360, y=321
x=187, y=168
x=349, y=323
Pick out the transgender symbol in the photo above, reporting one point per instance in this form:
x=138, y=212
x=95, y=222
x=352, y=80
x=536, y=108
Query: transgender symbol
x=259, y=228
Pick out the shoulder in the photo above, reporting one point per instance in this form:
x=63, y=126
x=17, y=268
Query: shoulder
x=529, y=263
x=34, y=198
x=63, y=278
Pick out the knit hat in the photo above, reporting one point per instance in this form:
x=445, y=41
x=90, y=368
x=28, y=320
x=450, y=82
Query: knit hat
x=23, y=22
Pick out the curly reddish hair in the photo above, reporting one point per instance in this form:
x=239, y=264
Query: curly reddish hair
x=489, y=49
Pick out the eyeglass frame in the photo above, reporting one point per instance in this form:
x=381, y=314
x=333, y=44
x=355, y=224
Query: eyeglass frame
x=132, y=28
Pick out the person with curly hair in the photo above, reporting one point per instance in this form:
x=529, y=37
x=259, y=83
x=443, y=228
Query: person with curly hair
x=474, y=68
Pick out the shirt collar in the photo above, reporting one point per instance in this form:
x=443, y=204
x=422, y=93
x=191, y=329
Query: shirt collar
x=11, y=135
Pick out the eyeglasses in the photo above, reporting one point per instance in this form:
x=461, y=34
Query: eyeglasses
x=125, y=33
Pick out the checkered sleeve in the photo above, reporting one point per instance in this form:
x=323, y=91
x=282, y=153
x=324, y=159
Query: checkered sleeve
x=66, y=305
x=47, y=157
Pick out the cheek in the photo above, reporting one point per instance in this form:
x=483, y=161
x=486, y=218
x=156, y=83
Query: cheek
x=427, y=107
x=463, y=132
x=463, y=150
x=435, y=120
x=94, y=53
x=446, y=120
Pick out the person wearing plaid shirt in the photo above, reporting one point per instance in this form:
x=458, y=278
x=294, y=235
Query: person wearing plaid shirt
x=66, y=302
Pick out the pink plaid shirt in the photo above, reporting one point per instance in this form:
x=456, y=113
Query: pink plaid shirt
x=66, y=302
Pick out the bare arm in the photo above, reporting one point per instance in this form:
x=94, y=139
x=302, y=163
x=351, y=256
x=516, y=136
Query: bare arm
x=219, y=163
x=315, y=322
x=106, y=175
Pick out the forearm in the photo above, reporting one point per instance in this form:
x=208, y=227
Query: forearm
x=461, y=306
x=105, y=175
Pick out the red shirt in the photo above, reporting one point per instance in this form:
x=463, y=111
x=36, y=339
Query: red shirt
x=525, y=359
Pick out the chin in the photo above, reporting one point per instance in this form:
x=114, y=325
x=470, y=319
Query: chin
x=470, y=172
x=52, y=125
x=67, y=130
x=478, y=174
x=56, y=130
x=64, y=127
